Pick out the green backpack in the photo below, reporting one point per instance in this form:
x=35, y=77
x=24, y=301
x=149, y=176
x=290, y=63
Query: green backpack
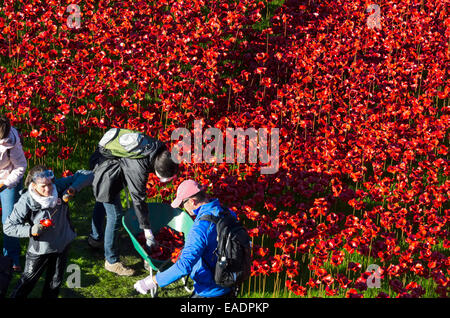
x=125, y=143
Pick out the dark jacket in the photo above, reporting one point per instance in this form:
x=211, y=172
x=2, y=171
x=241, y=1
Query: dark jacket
x=27, y=212
x=111, y=174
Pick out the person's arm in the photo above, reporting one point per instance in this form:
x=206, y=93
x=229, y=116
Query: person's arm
x=19, y=163
x=136, y=172
x=78, y=181
x=196, y=242
x=15, y=224
x=136, y=177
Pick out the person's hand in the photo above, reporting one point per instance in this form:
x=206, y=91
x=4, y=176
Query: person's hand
x=149, y=238
x=69, y=194
x=37, y=229
x=147, y=285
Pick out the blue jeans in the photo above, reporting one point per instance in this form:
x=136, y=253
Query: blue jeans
x=110, y=234
x=11, y=245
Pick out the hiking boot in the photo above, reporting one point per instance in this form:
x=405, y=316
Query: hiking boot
x=119, y=269
x=95, y=243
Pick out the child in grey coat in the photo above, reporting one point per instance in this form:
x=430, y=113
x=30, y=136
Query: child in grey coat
x=42, y=215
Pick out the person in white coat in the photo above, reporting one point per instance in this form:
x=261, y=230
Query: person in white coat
x=12, y=169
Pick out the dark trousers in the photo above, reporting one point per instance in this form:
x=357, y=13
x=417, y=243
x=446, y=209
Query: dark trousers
x=55, y=265
x=6, y=272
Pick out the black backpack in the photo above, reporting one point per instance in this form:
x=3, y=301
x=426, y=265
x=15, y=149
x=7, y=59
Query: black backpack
x=6, y=270
x=233, y=250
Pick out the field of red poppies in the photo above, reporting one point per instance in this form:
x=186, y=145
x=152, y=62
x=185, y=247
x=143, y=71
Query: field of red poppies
x=361, y=196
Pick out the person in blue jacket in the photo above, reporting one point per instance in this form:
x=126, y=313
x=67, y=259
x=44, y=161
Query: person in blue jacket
x=197, y=258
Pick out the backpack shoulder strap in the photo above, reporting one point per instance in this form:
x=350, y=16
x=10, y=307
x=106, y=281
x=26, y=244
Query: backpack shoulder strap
x=215, y=219
x=210, y=218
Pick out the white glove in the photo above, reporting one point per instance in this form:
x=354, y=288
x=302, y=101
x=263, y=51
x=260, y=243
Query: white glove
x=149, y=238
x=146, y=285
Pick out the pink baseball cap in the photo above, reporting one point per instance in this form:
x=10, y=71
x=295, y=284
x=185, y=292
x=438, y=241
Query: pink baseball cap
x=186, y=189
